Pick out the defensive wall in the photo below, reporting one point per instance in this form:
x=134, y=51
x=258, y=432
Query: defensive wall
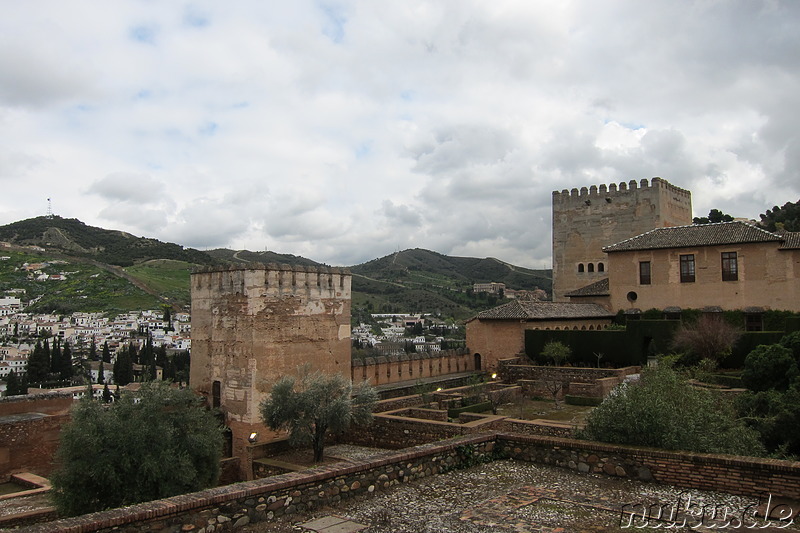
x=384, y=370
x=587, y=219
x=29, y=432
x=231, y=507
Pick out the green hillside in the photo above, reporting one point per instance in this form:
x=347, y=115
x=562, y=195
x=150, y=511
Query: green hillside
x=73, y=237
x=421, y=280
x=113, y=271
x=87, y=287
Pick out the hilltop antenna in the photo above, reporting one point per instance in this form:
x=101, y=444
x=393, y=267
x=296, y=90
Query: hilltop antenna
x=49, y=209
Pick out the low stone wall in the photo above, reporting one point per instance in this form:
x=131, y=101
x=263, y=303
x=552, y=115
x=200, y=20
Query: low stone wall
x=537, y=427
x=231, y=507
x=228, y=508
x=423, y=414
x=512, y=373
x=746, y=476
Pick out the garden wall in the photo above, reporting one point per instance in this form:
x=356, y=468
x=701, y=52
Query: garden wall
x=745, y=476
x=30, y=427
x=233, y=506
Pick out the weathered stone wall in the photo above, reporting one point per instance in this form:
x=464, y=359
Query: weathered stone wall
x=746, y=476
x=584, y=221
x=231, y=507
x=234, y=506
x=384, y=370
x=566, y=374
x=250, y=326
x=49, y=403
x=30, y=427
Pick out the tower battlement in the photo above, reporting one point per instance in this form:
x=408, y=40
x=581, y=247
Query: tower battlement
x=609, y=192
x=274, y=280
x=587, y=219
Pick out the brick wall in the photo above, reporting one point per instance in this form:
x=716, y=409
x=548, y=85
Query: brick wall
x=30, y=427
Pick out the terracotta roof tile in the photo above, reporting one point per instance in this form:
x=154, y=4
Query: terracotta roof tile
x=792, y=241
x=532, y=310
x=695, y=235
x=598, y=288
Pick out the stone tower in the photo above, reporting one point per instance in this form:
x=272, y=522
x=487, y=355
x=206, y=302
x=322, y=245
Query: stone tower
x=584, y=221
x=251, y=325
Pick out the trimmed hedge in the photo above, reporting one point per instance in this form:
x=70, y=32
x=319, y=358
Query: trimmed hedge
x=641, y=338
x=582, y=400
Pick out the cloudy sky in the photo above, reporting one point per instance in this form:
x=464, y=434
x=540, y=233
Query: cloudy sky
x=344, y=131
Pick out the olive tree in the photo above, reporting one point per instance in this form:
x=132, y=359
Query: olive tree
x=556, y=351
x=314, y=405
x=156, y=443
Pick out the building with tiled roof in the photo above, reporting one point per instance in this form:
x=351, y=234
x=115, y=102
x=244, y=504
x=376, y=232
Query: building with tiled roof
x=721, y=233
x=499, y=333
x=729, y=265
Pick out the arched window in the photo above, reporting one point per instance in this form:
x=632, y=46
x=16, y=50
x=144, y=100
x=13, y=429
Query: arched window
x=580, y=267
x=591, y=267
x=601, y=267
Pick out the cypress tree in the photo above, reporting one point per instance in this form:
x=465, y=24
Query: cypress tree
x=123, y=368
x=38, y=364
x=66, y=362
x=14, y=385
x=93, y=351
x=106, y=353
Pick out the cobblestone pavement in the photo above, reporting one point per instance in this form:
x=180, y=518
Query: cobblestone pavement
x=518, y=497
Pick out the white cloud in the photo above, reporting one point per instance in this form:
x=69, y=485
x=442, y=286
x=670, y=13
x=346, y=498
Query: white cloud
x=344, y=130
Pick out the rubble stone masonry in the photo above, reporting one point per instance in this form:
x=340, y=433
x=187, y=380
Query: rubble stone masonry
x=252, y=325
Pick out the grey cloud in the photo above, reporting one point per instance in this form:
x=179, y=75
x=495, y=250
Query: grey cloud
x=403, y=215
x=461, y=146
x=207, y=224
x=147, y=222
x=127, y=187
x=38, y=75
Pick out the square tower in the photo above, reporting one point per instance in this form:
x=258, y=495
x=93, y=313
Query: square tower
x=587, y=220
x=251, y=325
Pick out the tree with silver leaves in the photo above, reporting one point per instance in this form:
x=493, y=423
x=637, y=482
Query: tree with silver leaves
x=314, y=405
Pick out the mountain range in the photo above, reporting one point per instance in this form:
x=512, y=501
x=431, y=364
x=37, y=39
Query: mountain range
x=135, y=269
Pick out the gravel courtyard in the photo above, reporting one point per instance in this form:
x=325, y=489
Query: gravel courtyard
x=522, y=497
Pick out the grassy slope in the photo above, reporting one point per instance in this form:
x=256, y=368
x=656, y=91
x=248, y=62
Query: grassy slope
x=168, y=277
x=87, y=287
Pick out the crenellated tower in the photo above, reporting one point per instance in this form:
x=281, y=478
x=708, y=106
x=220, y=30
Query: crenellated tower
x=585, y=220
x=251, y=325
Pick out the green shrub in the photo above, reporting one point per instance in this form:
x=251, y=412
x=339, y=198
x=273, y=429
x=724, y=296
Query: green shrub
x=769, y=367
x=792, y=342
x=663, y=411
x=158, y=443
